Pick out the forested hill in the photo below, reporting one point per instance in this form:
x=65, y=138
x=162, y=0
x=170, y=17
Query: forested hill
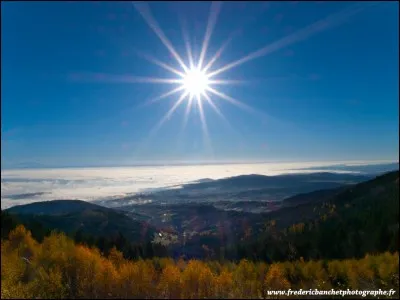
x=71, y=216
x=361, y=219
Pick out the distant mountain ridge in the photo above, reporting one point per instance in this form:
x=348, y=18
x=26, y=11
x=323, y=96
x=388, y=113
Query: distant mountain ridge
x=263, y=180
x=372, y=169
x=240, y=188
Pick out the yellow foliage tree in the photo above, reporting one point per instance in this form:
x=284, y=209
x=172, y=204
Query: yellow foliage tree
x=275, y=279
x=169, y=286
x=21, y=240
x=197, y=281
x=116, y=257
x=87, y=264
x=49, y=284
x=224, y=285
x=245, y=280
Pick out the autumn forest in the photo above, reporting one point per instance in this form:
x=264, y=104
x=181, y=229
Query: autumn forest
x=59, y=268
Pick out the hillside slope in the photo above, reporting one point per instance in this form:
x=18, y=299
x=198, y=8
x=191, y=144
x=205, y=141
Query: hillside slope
x=363, y=218
x=72, y=215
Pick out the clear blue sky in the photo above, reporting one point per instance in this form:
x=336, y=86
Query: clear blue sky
x=332, y=95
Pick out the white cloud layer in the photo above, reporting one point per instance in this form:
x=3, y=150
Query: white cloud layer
x=31, y=185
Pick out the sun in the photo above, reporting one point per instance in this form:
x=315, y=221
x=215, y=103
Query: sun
x=195, y=82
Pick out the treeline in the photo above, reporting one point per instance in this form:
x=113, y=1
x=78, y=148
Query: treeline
x=334, y=235
x=130, y=250
x=59, y=268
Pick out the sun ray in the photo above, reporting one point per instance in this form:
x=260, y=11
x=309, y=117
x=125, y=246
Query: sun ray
x=142, y=146
x=187, y=111
x=219, y=52
x=132, y=79
x=185, y=119
x=230, y=99
x=212, y=20
x=111, y=78
x=302, y=34
x=187, y=44
x=204, y=127
x=169, y=113
x=160, y=63
x=226, y=81
x=145, y=12
x=165, y=95
x=216, y=109
x=238, y=31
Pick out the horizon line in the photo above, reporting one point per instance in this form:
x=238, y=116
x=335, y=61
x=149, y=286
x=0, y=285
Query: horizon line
x=199, y=163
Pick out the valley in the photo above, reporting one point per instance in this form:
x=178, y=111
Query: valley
x=210, y=216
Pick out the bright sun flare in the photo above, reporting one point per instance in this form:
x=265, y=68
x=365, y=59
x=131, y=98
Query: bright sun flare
x=195, y=82
x=197, y=78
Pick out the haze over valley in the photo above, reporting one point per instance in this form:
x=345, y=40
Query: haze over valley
x=140, y=184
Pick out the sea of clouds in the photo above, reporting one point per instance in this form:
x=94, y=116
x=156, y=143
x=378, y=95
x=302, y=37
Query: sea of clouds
x=30, y=185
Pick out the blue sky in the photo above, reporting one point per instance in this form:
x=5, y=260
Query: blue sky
x=331, y=95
